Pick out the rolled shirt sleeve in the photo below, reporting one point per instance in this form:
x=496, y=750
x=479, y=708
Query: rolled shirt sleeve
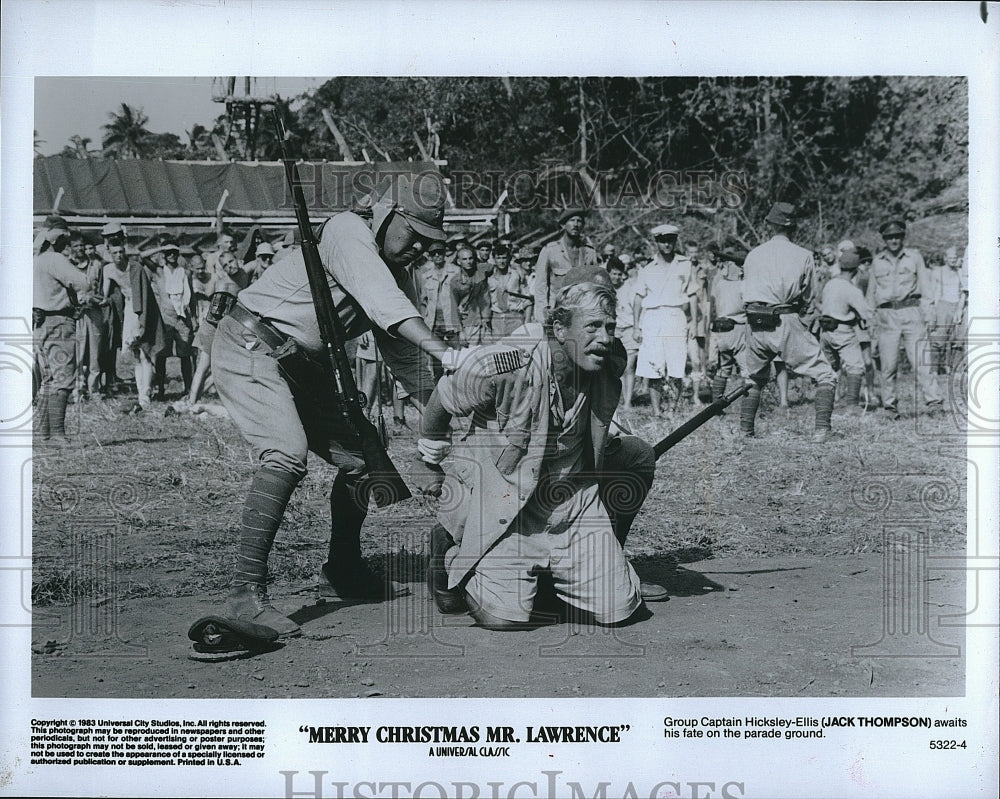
x=348, y=250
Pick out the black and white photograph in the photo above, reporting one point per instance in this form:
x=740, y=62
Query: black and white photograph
x=553, y=417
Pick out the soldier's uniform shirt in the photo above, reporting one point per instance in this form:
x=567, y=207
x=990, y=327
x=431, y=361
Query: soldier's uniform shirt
x=779, y=272
x=561, y=264
x=728, y=349
x=366, y=297
x=472, y=295
x=511, y=525
x=437, y=302
x=892, y=279
x=55, y=288
x=844, y=301
x=664, y=289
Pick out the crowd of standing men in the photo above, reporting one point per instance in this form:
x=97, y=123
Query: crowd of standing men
x=683, y=317
x=93, y=301
x=682, y=312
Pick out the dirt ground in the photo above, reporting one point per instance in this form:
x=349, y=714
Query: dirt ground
x=793, y=570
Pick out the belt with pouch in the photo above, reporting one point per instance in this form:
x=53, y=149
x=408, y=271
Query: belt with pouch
x=272, y=338
x=764, y=318
x=908, y=302
x=722, y=325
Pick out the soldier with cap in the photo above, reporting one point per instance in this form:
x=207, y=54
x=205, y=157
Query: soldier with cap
x=728, y=321
x=778, y=284
x=42, y=242
x=438, y=305
x=56, y=287
x=565, y=261
x=900, y=291
x=484, y=256
x=542, y=487
x=263, y=258
x=666, y=297
x=365, y=255
x=845, y=310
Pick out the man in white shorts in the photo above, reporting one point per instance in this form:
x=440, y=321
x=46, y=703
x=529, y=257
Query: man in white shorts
x=666, y=297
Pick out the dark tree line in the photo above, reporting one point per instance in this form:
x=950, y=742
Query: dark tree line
x=848, y=150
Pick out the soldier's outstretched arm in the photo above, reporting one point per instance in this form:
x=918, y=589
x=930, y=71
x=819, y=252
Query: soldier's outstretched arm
x=433, y=446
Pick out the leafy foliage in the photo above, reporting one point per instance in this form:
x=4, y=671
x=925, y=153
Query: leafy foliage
x=717, y=151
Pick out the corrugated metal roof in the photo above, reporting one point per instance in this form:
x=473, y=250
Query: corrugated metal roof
x=134, y=188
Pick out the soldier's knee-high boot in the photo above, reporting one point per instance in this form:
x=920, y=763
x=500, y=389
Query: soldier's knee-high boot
x=719, y=383
x=345, y=574
x=748, y=410
x=58, y=400
x=263, y=510
x=824, y=409
x=852, y=389
x=41, y=421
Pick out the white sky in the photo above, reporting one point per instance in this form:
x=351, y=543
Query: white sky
x=65, y=106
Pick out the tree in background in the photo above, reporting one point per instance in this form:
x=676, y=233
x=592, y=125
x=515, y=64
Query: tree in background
x=126, y=135
x=847, y=150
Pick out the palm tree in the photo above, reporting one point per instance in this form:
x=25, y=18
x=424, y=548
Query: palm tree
x=80, y=144
x=125, y=136
x=38, y=144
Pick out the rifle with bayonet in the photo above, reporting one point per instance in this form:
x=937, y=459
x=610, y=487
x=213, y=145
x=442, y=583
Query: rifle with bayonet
x=698, y=420
x=382, y=481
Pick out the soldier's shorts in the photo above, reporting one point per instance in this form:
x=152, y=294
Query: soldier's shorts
x=663, y=350
x=574, y=542
x=281, y=427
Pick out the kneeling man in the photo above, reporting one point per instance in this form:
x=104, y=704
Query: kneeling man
x=538, y=486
